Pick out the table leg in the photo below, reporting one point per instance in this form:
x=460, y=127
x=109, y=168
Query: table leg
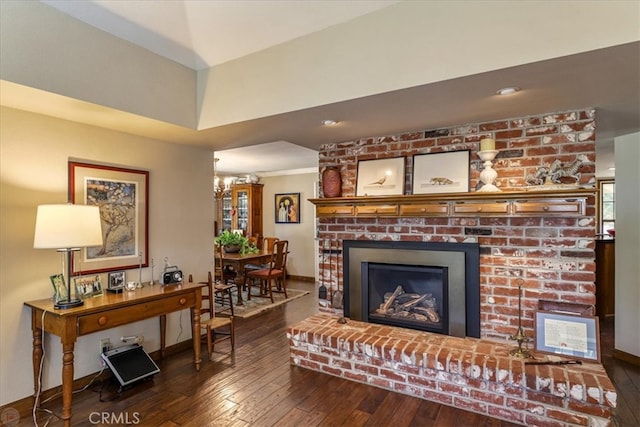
x=37, y=355
x=195, y=334
x=67, y=382
x=163, y=334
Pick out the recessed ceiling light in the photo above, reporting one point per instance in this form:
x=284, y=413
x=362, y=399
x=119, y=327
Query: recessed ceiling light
x=508, y=90
x=328, y=122
x=612, y=169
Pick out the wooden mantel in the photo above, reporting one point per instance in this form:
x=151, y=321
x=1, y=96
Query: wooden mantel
x=512, y=203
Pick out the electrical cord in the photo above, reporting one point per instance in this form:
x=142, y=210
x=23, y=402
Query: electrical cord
x=37, y=400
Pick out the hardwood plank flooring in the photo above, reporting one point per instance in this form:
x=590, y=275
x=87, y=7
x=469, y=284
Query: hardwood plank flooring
x=257, y=386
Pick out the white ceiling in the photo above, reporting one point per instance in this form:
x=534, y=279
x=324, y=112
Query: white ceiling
x=199, y=34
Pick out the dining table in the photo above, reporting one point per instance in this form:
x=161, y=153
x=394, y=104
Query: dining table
x=237, y=261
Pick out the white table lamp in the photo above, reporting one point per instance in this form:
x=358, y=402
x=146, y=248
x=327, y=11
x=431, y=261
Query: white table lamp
x=67, y=228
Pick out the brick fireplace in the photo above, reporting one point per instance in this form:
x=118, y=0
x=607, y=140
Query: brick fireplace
x=553, y=255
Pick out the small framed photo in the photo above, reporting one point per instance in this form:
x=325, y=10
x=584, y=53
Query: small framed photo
x=59, y=288
x=441, y=172
x=568, y=335
x=287, y=207
x=116, y=281
x=89, y=286
x=380, y=177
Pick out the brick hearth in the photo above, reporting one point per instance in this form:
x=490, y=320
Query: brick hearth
x=473, y=374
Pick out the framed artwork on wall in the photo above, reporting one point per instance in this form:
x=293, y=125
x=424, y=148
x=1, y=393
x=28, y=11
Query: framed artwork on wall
x=441, y=172
x=287, y=208
x=568, y=335
x=380, y=177
x=123, y=198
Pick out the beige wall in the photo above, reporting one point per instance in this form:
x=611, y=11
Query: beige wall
x=34, y=151
x=301, y=261
x=45, y=49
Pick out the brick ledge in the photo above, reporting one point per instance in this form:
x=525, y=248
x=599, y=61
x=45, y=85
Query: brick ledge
x=478, y=375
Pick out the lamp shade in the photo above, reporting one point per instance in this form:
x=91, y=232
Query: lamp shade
x=67, y=226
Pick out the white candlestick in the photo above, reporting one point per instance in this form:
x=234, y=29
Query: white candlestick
x=487, y=144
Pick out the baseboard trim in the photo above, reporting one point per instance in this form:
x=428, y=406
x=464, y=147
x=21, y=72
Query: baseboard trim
x=24, y=406
x=302, y=278
x=627, y=357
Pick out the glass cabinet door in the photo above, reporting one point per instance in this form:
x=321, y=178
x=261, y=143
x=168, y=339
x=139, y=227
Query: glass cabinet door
x=227, y=211
x=242, y=210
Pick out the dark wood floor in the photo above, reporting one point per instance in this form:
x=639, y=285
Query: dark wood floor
x=256, y=386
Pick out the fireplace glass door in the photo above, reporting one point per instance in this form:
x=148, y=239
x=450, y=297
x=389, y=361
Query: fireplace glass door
x=411, y=296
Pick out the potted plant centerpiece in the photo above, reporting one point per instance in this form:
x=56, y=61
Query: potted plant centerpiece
x=235, y=242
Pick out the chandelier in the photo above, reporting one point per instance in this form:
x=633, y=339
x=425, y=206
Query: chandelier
x=220, y=188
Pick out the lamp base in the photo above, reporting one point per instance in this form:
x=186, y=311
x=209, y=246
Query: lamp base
x=63, y=305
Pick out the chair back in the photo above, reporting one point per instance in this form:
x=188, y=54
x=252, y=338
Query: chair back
x=211, y=303
x=224, y=276
x=268, y=243
x=280, y=252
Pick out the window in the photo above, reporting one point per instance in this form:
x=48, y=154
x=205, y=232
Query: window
x=607, y=205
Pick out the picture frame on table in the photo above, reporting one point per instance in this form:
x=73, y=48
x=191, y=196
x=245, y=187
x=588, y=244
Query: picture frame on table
x=115, y=281
x=568, y=334
x=287, y=208
x=380, y=177
x=88, y=286
x=59, y=287
x=446, y=172
x=122, y=195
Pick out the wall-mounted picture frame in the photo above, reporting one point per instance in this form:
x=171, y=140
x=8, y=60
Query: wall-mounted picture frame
x=122, y=195
x=568, y=335
x=59, y=288
x=446, y=172
x=380, y=177
x=88, y=286
x=115, y=281
x=287, y=208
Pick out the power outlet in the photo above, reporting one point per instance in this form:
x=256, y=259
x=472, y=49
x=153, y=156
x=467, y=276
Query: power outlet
x=105, y=345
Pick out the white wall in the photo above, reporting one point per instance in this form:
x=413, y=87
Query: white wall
x=34, y=151
x=627, y=153
x=301, y=260
x=408, y=44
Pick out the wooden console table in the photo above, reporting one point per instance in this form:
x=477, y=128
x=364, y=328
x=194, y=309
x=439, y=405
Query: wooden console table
x=104, y=312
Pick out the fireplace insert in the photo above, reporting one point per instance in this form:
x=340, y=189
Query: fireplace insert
x=442, y=280
x=410, y=296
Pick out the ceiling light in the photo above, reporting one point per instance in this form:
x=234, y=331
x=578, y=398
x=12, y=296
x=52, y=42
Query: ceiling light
x=328, y=122
x=612, y=169
x=508, y=90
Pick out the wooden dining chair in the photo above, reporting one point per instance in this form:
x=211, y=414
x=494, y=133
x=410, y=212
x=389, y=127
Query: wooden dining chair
x=274, y=277
x=217, y=328
x=225, y=280
x=268, y=244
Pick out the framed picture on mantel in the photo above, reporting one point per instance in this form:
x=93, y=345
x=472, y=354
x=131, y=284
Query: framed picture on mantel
x=380, y=177
x=446, y=172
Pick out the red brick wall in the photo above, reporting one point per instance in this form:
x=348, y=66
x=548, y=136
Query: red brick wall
x=554, y=255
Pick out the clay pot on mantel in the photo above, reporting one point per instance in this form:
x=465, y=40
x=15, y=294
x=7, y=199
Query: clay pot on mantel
x=331, y=182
